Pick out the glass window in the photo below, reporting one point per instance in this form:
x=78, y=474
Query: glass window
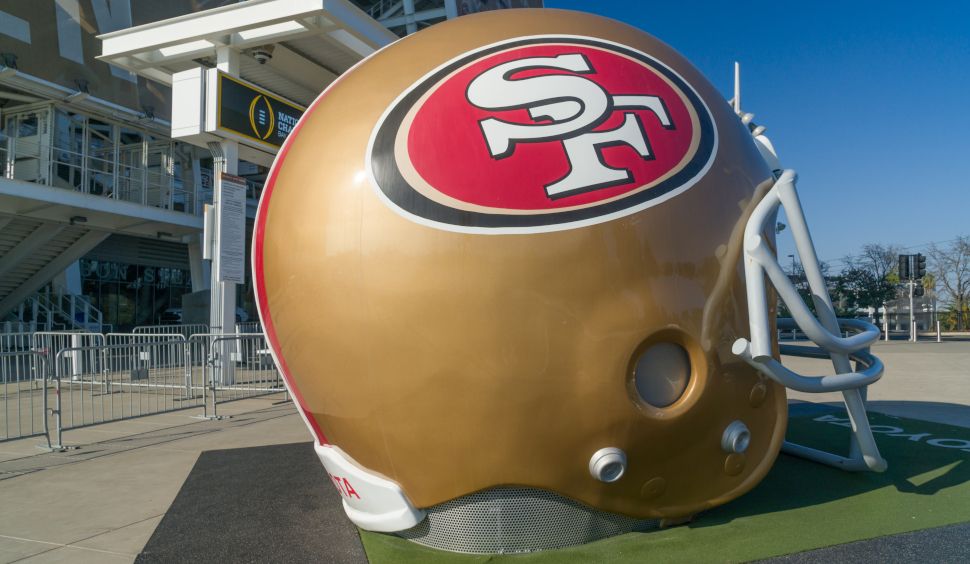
x=158, y=164
x=27, y=145
x=101, y=157
x=129, y=295
x=131, y=165
x=183, y=183
x=68, y=149
x=28, y=126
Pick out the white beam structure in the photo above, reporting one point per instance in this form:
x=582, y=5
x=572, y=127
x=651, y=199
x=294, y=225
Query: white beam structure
x=49, y=204
x=317, y=40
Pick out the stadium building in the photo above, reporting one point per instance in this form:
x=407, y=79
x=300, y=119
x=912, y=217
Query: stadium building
x=101, y=209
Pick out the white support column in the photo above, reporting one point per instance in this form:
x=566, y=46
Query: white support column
x=198, y=268
x=222, y=312
x=222, y=317
x=72, y=279
x=227, y=60
x=411, y=25
x=222, y=303
x=451, y=9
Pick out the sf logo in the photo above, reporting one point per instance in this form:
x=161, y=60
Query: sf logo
x=564, y=109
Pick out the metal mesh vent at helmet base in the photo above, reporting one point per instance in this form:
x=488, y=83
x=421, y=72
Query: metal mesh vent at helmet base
x=516, y=519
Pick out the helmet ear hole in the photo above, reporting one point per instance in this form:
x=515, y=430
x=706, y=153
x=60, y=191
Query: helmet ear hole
x=662, y=374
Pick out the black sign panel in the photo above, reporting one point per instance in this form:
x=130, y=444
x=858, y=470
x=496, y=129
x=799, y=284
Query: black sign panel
x=255, y=113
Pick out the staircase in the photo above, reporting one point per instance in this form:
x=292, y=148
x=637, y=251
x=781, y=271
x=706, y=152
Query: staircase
x=60, y=312
x=383, y=9
x=32, y=253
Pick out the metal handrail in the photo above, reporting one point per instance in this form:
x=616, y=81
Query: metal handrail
x=15, y=148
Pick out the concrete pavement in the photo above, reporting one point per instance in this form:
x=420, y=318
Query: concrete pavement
x=102, y=501
x=925, y=380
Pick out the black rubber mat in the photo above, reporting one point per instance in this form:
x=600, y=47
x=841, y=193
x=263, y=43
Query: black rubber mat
x=942, y=544
x=262, y=504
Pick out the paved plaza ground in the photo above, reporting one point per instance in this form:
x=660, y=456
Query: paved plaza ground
x=102, y=501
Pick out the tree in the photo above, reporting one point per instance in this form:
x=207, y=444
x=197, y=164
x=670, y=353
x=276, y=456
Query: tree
x=951, y=267
x=880, y=260
x=858, y=287
x=871, y=279
x=800, y=281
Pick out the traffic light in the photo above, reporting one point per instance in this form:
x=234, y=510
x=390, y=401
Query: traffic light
x=919, y=265
x=904, y=267
x=918, y=290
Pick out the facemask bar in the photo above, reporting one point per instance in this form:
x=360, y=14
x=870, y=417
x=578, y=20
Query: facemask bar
x=825, y=330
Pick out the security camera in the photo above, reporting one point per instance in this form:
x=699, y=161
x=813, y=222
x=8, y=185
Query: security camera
x=262, y=54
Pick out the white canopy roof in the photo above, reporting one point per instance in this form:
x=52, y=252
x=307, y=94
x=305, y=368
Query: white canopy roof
x=311, y=42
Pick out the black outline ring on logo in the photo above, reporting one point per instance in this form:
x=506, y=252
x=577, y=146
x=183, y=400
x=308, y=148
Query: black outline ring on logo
x=395, y=190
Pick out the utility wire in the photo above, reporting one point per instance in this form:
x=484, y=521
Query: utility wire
x=851, y=258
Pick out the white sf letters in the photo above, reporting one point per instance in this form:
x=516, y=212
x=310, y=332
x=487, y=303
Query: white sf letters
x=566, y=109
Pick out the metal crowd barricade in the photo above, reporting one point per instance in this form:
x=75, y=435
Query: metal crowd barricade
x=49, y=343
x=122, y=380
x=235, y=367
x=15, y=342
x=249, y=327
x=186, y=330
x=67, y=380
x=166, y=354
x=24, y=405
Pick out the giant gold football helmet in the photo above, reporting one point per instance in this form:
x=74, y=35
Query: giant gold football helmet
x=515, y=269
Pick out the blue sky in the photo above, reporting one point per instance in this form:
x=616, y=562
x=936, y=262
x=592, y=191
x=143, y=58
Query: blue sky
x=868, y=101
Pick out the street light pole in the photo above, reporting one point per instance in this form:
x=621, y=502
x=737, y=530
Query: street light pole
x=912, y=317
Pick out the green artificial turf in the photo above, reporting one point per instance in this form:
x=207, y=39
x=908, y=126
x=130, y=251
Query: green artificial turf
x=799, y=506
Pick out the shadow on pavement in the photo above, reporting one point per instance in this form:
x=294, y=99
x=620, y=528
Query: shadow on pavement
x=924, y=459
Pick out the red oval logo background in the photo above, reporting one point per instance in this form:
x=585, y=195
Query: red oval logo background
x=445, y=143
x=432, y=158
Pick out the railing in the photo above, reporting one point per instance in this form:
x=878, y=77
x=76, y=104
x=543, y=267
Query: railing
x=81, y=312
x=18, y=327
x=75, y=310
x=384, y=8
x=25, y=394
x=114, y=382
x=186, y=330
x=41, y=318
x=60, y=167
x=15, y=341
x=237, y=367
x=71, y=380
x=249, y=327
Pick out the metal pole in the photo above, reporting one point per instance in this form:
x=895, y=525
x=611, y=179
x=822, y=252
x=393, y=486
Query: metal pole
x=912, y=319
x=212, y=379
x=222, y=301
x=939, y=337
x=451, y=9
x=410, y=26
x=885, y=319
x=45, y=367
x=58, y=424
